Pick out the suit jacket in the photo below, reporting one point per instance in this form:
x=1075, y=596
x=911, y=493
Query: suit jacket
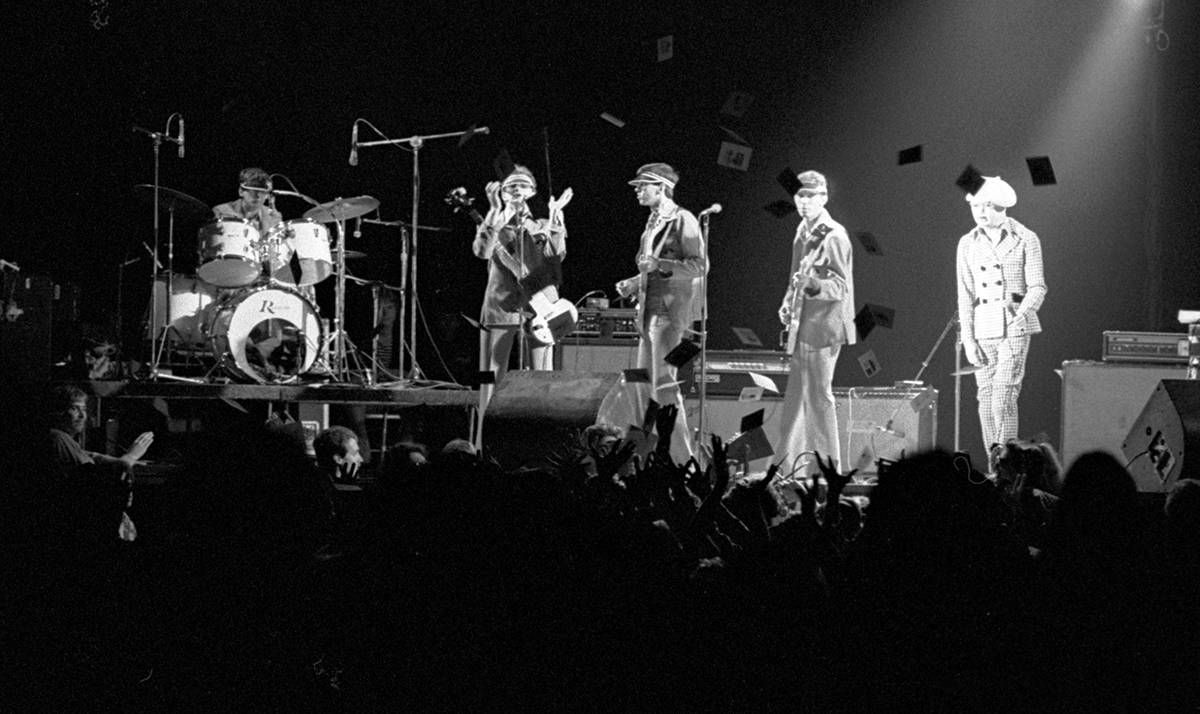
x=1000, y=287
x=673, y=289
x=826, y=316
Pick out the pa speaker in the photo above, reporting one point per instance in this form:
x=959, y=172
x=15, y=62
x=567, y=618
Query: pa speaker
x=535, y=414
x=1163, y=445
x=1101, y=401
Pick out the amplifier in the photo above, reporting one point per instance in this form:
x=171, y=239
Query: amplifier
x=606, y=323
x=729, y=371
x=1158, y=347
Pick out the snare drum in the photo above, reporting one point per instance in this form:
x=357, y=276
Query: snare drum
x=188, y=301
x=265, y=334
x=299, y=252
x=229, y=255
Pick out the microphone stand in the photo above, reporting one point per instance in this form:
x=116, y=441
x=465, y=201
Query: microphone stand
x=957, y=373
x=408, y=270
x=157, y=347
x=703, y=390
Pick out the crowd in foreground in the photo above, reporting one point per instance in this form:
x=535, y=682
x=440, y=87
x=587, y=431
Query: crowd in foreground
x=605, y=577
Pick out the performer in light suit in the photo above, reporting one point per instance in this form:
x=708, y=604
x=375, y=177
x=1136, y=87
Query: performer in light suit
x=1000, y=288
x=818, y=309
x=671, y=259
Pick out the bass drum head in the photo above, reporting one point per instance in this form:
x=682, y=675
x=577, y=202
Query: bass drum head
x=270, y=335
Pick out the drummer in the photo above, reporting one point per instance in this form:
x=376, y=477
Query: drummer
x=255, y=205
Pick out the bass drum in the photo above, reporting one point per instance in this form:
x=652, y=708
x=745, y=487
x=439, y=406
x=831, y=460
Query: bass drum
x=270, y=335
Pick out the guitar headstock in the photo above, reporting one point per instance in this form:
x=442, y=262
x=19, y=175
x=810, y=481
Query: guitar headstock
x=458, y=199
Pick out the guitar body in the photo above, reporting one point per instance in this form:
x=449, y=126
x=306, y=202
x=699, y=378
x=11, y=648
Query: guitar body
x=549, y=317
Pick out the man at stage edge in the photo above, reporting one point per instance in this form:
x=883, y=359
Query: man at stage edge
x=254, y=206
x=671, y=260
x=818, y=309
x=98, y=483
x=1000, y=288
x=511, y=240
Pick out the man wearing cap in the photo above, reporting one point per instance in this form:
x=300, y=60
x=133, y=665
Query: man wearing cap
x=1000, y=288
x=818, y=309
x=513, y=242
x=671, y=260
x=254, y=187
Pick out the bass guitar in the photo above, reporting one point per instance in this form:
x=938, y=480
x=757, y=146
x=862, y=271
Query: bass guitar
x=549, y=317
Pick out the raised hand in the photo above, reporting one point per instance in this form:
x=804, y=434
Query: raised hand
x=664, y=424
x=835, y=482
x=493, y=195
x=139, y=447
x=608, y=464
x=557, y=204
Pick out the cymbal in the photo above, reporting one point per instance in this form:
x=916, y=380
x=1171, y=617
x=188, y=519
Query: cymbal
x=406, y=224
x=350, y=254
x=969, y=369
x=171, y=200
x=341, y=209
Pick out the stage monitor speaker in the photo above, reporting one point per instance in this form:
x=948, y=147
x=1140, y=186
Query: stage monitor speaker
x=1101, y=400
x=1163, y=445
x=579, y=356
x=534, y=415
x=893, y=422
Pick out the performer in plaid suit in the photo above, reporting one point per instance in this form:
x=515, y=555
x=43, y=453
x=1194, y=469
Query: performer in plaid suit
x=1000, y=288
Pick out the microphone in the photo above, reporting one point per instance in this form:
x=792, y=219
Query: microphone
x=354, y=145
x=180, y=139
x=715, y=208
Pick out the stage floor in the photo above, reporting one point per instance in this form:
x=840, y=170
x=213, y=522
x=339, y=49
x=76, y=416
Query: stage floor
x=398, y=396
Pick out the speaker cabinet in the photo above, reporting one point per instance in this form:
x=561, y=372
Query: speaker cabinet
x=892, y=422
x=532, y=415
x=1101, y=400
x=579, y=356
x=1163, y=444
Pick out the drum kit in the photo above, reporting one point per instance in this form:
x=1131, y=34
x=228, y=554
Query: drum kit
x=251, y=304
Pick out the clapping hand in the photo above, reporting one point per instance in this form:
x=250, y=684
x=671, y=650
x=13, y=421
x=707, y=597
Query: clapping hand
x=557, y=204
x=493, y=195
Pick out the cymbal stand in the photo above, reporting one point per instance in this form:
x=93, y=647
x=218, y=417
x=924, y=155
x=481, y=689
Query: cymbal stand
x=156, y=347
x=408, y=263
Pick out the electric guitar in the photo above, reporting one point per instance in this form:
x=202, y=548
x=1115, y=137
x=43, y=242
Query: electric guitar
x=549, y=317
x=815, y=265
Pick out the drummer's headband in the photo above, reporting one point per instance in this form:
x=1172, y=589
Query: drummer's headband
x=248, y=187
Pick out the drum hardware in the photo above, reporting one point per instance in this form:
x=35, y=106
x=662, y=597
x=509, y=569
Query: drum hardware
x=172, y=205
x=408, y=271
x=406, y=224
x=297, y=252
x=229, y=252
x=353, y=254
x=338, y=211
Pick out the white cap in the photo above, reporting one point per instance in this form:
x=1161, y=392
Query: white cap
x=994, y=190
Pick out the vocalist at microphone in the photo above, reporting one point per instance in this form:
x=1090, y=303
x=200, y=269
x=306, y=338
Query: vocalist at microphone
x=354, y=145
x=715, y=208
x=180, y=139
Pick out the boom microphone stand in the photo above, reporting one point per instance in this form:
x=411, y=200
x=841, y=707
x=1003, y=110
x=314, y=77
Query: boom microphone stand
x=157, y=138
x=408, y=268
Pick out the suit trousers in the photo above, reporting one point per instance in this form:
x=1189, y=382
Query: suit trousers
x=999, y=384
x=809, y=420
x=660, y=336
